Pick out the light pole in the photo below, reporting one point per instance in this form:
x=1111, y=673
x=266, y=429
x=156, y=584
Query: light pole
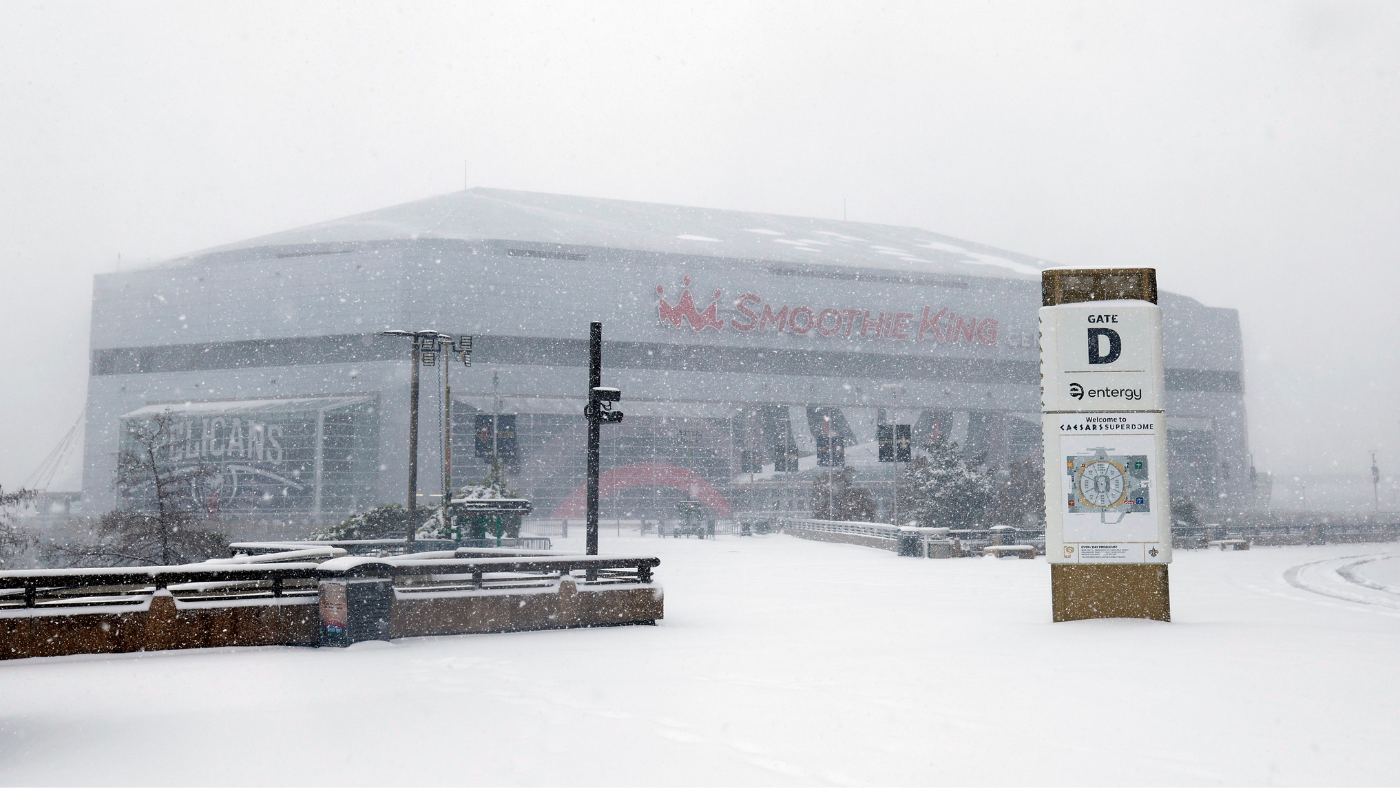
x=430, y=339
x=446, y=436
x=463, y=348
x=598, y=412
x=1376, y=480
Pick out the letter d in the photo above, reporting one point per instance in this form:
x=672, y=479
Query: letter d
x=1115, y=346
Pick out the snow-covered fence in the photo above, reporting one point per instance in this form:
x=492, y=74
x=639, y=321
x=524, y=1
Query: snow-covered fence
x=911, y=541
x=875, y=530
x=76, y=589
x=513, y=542
x=265, y=600
x=350, y=546
x=880, y=535
x=1274, y=528
x=383, y=547
x=96, y=611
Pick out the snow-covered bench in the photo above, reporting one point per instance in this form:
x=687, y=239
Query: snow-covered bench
x=1228, y=544
x=1002, y=550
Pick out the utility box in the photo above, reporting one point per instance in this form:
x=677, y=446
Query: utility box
x=355, y=610
x=916, y=542
x=910, y=543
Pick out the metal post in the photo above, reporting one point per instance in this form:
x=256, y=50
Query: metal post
x=320, y=464
x=446, y=436
x=826, y=430
x=595, y=379
x=1376, y=481
x=413, y=446
x=896, y=490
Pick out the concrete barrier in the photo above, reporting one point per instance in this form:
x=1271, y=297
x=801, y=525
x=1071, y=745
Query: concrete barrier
x=157, y=623
x=114, y=611
x=563, y=606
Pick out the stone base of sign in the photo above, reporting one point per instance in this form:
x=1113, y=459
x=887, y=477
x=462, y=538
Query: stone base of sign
x=1083, y=591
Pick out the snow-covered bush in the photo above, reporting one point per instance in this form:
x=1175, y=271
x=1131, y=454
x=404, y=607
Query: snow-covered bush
x=387, y=521
x=942, y=488
x=1019, y=497
x=1184, y=510
x=13, y=539
x=833, y=498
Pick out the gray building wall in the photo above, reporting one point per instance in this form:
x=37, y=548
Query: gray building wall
x=301, y=320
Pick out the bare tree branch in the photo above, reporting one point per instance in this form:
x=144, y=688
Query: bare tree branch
x=163, y=516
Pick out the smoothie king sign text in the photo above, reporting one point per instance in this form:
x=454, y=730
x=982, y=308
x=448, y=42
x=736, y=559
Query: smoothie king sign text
x=926, y=323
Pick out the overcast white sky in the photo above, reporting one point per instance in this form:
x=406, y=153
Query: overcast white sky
x=1248, y=151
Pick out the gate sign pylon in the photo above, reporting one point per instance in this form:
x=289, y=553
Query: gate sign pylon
x=1107, y=511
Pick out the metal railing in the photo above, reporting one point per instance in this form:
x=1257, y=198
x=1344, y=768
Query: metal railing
x=376, y=547
x=1290, y=529
x=516, y=542
x=45, y=588
x=413, y=575
x=874, y=530
x=230, y=580
x=913, y=541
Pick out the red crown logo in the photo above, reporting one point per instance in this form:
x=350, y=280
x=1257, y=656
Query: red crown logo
x=685, y=310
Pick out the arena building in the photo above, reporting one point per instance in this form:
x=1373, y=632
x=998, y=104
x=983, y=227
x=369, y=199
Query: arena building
x=738, y=339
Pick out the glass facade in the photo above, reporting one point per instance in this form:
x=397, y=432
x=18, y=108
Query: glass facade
x=272, y=457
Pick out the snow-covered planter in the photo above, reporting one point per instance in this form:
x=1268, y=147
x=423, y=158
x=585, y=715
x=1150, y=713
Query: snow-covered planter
x=481, y=526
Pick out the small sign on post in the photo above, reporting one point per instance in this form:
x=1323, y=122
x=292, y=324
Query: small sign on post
x=749, y=462
x=896, y=442
x=1107, y=514
x=831, y=451
x=506, y=446
x=484, y=435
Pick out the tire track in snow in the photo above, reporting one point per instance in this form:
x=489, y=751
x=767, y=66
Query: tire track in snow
x=1337, y=578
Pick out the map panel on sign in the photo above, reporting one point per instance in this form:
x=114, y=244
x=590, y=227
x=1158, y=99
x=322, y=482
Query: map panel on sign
x=1109, y=483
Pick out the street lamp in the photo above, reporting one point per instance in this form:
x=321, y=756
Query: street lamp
x=1376, y=481
x=427, y=341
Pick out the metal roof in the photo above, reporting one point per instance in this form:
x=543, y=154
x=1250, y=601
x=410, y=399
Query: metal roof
x=483, y=214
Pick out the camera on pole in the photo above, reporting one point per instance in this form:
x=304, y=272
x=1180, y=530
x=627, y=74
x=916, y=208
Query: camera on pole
x=600, y=405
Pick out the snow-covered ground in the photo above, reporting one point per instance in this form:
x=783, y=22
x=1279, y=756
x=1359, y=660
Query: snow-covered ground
x=780, y=662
